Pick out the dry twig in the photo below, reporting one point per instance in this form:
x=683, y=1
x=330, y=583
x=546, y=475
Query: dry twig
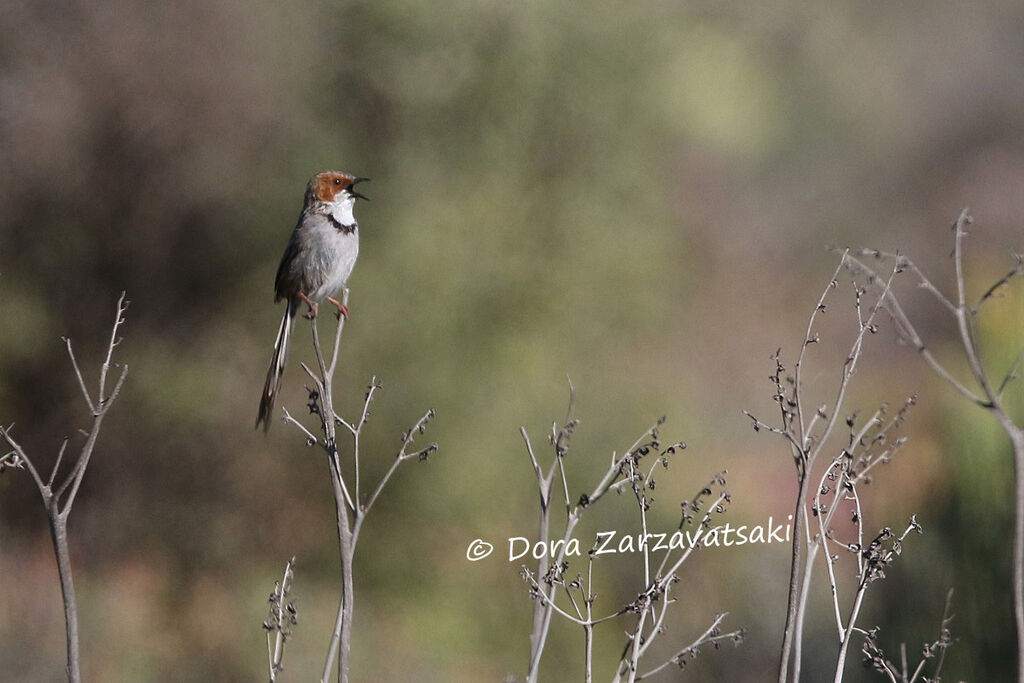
x=628, y=472
x=808, y=434
x=350, y=505
x=985, y=393
x=283, y=616
x=58, y=493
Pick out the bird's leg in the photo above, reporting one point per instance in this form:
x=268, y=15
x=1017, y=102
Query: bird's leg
x=342, y=308
x=314, y=307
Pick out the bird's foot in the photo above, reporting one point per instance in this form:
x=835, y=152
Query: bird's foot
x=314, y=307
x=342, y=308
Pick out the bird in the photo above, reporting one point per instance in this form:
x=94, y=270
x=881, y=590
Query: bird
x=317, y=262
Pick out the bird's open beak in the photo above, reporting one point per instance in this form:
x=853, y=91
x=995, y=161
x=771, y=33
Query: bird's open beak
x=356, y=194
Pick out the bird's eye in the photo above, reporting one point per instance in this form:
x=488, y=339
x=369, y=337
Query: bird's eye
x=337, y=181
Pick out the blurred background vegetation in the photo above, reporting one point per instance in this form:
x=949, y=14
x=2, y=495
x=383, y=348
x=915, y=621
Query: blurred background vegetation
x=636, y=195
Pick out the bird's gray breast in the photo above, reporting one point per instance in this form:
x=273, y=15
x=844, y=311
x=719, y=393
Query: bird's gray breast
x=331, y=253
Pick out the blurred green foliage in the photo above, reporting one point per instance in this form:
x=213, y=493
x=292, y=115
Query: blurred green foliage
x=633, y=195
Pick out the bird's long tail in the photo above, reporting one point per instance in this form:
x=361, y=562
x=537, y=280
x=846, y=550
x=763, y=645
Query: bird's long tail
x=273, y=384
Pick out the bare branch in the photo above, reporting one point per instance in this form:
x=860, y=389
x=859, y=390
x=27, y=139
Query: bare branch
x=56, y=465
x=533, y=456
x=1011, y=374
x=311, y=440
x=962, y=221
x=550, y=578
x=313, y=376
x=1016, y=271
x=350, y=511
x=419, y=428
x=21, y=458
x=337, y=333
x=909, y=334
x=802, y=435
x=283, y=616
x=901, y=262
x=122, y=307
x=710, y=636
x=538, y=594
x=58, y=507
x=78, y=374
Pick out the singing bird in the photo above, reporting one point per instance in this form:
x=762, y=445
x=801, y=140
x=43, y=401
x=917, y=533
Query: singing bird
x=317, y=262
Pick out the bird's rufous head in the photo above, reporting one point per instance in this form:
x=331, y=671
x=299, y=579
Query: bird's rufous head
x=333, y=186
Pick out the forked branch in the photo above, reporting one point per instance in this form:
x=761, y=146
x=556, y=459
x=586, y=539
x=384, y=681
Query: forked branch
x=987, y=393
x=59, y=501
x=351, y=507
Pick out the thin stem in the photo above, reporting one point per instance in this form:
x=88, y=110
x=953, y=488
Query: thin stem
x=589, y=629
x=56, y=465
x=310, y=438
x=1011, y=374
x=1017, y=270
x=823, y=527
x=74, y=478
x=358, y=430
x=1017, y=440
x=943, y=626
x=122, y=306
x=78, y=374
x=795, y=567
x=541, y=609
x=848, y=635
x=706, y=637
x=902, y=261
x=851, y=364
x=337, y=333
x=341, y=637
x=280, y=620
x=401, y=457
x=588, y=652
x=958, y=258
x=59, y=534
x=566, y=615
x=44, y=489
x=803, y=350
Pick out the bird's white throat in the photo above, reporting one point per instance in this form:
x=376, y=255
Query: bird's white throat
x=341, y=211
